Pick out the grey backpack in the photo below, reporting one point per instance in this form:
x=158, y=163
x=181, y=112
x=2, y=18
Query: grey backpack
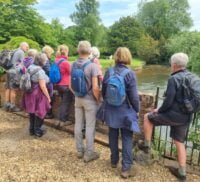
x=191, y=93
x=25, y=81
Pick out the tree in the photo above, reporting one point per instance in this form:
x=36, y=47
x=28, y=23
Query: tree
x=164, y=17
x=147, y=49
x=16, y=18
x=86, y=17
x=189, y=43
x=125, y=32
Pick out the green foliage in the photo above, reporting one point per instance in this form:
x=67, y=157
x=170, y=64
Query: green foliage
x=17, y=18
x=86, y=17
x=15, y=42
x=189, y=43
x=147, y=49
x=125, y=33
x=164, y=17
x=194, y=133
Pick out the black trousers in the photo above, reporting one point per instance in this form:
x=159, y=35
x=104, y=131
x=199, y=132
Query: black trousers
x=66, y=101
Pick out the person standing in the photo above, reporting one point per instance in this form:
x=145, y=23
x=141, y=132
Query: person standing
x=63, y=86
x=86, y=106
x=171, y=114
x=12, y=82
x=121, y=117
x=37, y=101
x=48, y=51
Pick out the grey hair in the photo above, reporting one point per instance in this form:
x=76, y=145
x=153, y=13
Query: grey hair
x=24, y=44
x=32, y=53
x=180, y=59
x=94, y=53
x=84, y=47
x=40, y=59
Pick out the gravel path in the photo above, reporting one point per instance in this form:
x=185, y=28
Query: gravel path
x=52, y=158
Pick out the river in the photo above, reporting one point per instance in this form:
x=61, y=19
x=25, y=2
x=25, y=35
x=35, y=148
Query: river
x=151, y=77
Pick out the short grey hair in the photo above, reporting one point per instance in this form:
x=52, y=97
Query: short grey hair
x=32, y=53
x=84, y=47
x=94, y=53
x=180, y=59
x=22, y=44
x=40, y=59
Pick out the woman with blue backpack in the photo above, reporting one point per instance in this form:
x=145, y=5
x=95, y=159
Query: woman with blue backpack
x=59, y=75
x=120, y=108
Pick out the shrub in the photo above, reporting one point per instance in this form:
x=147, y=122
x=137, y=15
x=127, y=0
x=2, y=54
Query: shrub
x=15, y=42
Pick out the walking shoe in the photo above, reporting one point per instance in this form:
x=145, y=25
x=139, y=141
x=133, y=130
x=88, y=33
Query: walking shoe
x=31, y=132
x=91, y=157
x=113, y=165
x=39, y=133
x=49, y=116
x=126, y=174
x=14, y=108
x=144, y=148
x=80, y=154
x=6, y=106
x=176, y=173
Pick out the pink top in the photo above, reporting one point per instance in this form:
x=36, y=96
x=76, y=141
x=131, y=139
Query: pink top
x=96, y=61
x=65, y=70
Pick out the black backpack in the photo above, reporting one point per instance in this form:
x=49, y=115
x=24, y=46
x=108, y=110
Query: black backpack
x=6, y=59
x=190, y=93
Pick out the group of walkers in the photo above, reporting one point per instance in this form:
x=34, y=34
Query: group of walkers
x=101, y=100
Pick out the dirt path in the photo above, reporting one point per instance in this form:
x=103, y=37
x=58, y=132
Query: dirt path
x=52, y=158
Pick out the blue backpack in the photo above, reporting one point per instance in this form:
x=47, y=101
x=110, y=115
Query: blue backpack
x=54, y=73
x=78, y=80
x=115, y=90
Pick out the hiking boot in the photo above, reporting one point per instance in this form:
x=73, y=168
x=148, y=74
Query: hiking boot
x=175, y=172
x=91, y=157
x=144, y=148
x=80, y=154
x=14, y=108
x=49, y=116
x=113, y=165
x=6, y=106
x=31, y=133
x=126, y=174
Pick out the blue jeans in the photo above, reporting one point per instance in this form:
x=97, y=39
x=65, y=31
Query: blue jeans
x=127, y=145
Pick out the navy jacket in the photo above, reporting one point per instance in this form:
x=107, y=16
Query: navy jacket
x=170, y=107
x=124, y=116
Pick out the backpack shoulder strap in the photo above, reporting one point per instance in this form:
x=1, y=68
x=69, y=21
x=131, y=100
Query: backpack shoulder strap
x=125, y=72
x=111, y=71
x=86, y=64
x=34, y=71
x=62, y=60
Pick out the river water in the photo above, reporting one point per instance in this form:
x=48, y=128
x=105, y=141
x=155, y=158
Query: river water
x=151, y=77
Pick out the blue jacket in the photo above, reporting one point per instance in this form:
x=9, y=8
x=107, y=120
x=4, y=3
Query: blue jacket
x=124, y=116
x=170, y=107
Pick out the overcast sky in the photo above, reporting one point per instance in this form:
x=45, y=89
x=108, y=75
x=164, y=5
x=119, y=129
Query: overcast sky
x=110, y=10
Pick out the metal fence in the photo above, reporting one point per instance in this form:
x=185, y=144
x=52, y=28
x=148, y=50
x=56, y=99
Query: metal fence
x=164, y=144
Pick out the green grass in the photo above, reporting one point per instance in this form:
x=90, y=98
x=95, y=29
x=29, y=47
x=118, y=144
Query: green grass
x=106, y=63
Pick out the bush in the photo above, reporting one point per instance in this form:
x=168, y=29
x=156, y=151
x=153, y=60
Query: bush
x=189, y=43
x=147, y=49
x=15, y=42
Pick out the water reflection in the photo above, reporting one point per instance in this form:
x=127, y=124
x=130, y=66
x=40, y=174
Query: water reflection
x=151, y=77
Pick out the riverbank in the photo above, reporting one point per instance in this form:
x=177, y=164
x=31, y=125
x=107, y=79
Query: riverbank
x=106, y=63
